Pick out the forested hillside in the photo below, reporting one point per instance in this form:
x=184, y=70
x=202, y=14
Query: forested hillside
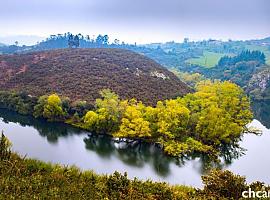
x=81, y=73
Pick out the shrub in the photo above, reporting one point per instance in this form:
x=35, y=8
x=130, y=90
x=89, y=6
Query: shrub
x=4, y=148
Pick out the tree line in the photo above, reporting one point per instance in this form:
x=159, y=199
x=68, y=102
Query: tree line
x=245, y=56
x=216, y=114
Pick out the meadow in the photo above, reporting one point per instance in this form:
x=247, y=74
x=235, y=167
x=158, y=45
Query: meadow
x=208, y=59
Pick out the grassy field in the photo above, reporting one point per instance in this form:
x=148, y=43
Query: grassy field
x=208, y=60
x=263, y=49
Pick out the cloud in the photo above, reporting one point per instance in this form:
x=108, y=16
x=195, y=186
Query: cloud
x=163, y=19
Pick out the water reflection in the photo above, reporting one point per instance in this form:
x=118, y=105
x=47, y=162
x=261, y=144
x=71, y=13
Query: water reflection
x=51, y=131
x=133, y=154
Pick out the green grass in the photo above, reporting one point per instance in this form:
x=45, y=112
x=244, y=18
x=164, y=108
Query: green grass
x=263, y=49
x=208, y=60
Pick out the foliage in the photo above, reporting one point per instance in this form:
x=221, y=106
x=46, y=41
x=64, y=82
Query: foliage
x=50, y=107
x=220, y=111
x=238, y=69
x=22, y=178
x=264, y=49
x=5, y=145
x=133, y=125
x=73, y=41
x=20, y=102
x=243, y=56
x=53, y=108
x=214, y=115
x=223, y=185
x=79, y=107
x=108, y=113
x=189, y=78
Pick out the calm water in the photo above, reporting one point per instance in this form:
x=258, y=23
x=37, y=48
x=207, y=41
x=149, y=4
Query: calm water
x=59, y=143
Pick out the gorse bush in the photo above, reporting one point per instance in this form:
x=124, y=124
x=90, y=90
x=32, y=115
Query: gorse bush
x=223, y=185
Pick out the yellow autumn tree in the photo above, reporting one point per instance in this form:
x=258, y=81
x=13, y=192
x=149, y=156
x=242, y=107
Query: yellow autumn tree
x=53, y=110
x=133, y=125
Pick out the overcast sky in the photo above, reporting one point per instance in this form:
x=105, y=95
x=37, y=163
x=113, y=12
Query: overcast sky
x=141, y=21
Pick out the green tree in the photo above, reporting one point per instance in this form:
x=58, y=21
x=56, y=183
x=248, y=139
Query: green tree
x=53, y=110
x=39, y=107
x=109, y=110
x=50, y=107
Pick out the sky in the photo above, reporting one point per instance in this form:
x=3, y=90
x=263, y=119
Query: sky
x=141, y=21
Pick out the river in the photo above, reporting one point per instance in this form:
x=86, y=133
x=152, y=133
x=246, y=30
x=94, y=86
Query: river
x=63, y=144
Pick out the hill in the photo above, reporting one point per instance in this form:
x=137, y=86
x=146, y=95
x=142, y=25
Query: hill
x=81, y=73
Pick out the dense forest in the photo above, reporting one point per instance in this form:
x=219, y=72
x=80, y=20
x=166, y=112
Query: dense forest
x=80, y=74
x=24, y=178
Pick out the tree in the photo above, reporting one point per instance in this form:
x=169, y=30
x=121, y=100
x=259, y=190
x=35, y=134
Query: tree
x=133, y=125
x=116, y=42
x=70, y=41
x=109, y=110
x=105, y=40
x=50, y=107
x=219, y=112
x=91, y=120
x=53, y=110
x=39, y=108
x=173, y=119
x=73, y=41
x=76, y=41
x=99, y=40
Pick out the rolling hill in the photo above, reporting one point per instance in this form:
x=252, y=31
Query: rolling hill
x=81, y=73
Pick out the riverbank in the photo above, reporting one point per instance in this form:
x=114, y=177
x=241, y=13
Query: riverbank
x=23, y=178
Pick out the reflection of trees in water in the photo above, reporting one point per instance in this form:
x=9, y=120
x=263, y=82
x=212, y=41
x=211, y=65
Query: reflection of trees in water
x=133, y=154
x=52, y=131
x=261, y=110
x=102, y=145
x=139, y=153
x=228, y=153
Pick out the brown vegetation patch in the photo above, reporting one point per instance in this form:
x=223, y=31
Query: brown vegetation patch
x=81, y=73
